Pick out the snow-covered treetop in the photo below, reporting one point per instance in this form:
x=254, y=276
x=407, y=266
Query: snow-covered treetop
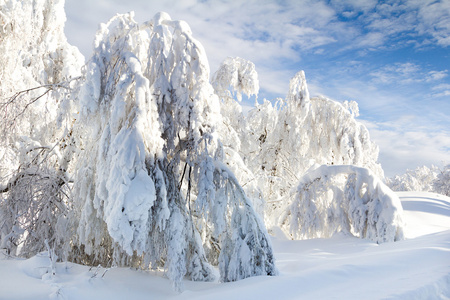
x=36, y=65
x=239, y=74
x=298, y=90
x=33, y=45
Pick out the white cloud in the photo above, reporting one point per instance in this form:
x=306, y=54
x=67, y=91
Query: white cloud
x=441, y=90
x=372, y=39
x=436, y=75
x=406, y=73
x=434, y=17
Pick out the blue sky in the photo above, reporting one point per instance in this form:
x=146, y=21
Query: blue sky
x=392, y=57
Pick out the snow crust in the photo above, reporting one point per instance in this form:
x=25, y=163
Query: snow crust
x=340, y=267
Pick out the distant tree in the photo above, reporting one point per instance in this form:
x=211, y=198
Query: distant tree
x=420, y=179
x=442, y=183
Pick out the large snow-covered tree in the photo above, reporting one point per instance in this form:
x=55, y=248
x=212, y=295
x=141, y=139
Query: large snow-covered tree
x=150, y=186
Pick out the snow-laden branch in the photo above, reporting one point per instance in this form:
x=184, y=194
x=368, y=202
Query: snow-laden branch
x=343, y=198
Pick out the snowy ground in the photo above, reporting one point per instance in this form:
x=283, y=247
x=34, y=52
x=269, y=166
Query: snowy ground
x=338, y=268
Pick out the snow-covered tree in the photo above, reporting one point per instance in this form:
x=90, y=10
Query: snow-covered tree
x=150, y=187
x=442, y=182
x=298, y=132
x=37, y=68
x=343, y=198
x=237, y=76
x=36, y=62
x=420, y=179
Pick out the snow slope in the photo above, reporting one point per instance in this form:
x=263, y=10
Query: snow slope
x=341, y=267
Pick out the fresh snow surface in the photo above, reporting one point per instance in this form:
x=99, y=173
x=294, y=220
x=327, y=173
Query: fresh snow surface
x=341, y=267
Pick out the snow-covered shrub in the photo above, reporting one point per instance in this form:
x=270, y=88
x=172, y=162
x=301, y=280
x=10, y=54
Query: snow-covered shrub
x=343, y=198
x=441, y=184
x=420, y=179
x=150, y=189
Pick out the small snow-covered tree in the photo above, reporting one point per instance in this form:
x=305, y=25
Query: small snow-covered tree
x=441, y=184
x=343, y=198
x=150, y=188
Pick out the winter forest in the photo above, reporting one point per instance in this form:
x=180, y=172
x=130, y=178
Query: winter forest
x=139, y=157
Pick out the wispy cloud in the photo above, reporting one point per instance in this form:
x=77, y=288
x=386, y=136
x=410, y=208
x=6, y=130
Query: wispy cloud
x=434, y=20
x=406, y=73
x=441, y=90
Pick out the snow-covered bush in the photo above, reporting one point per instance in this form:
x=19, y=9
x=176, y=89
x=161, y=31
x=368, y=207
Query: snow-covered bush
x=420, y=179
x=343, y=198
x=150, y=188
x=441, y=184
